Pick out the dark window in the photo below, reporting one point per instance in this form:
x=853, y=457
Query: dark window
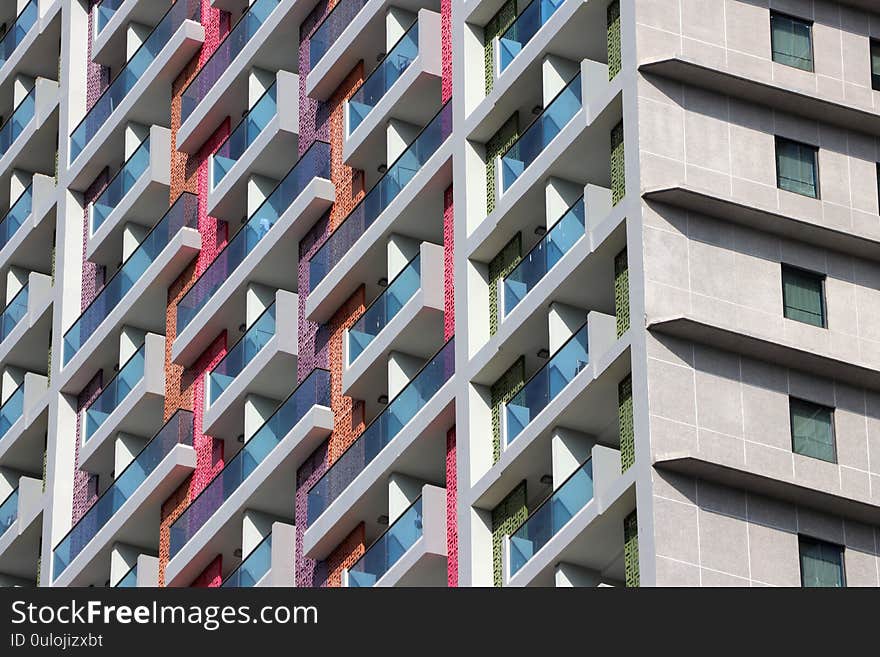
x=803, y=296
x=812, y=430
x=875, y=65
x=797, y=167
x=821, y=563
x=792, y=41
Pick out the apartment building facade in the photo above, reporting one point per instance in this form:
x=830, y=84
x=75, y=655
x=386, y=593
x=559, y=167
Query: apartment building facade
x=449, y=293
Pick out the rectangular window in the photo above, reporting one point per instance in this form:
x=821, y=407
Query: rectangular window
x=812, y=430
x=797, y=167
x=875, y=65
x=803, y=296
x=792, y=41
x=821, y=563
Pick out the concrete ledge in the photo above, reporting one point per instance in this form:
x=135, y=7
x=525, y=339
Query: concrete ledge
x=112, y=38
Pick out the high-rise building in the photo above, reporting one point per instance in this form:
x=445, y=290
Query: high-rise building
x=447, y=293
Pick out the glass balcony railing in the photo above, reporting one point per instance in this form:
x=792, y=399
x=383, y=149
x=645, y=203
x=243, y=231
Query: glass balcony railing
x=315, y=163
x=254, y=567
x=332, y=27
x=116, y=390
x=16, y=33
x=104, y=12
x=8, y=511
x=133, y=71
x=314, y=390
x=544, y=255
x=374, y=203
x=244, y=134
x=532, y=142
x=382, y=430
x=388, y=548
x=546, y=383
x=526, y=25
x=545, y=522
x=11, y=410
x=16, y=216
x=121, y=184
x=129, y=580
x=383, y=77
x=234, y=42
x=384, y=308
x=177, y=431
x=14, y=311
x=183, y=214
x=15, y=125
x=242, y=353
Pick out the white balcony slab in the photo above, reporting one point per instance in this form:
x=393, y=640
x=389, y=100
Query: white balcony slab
x=109, y=45
x=136, y=522
x=416, y=329
x=271, y=48
x=268, y=375
x=21, y=447
x=25, y=346
x=148, y=103
x=271, y=155
x=417, y=451
x=587, y=404
x=267, y=489
x=30, y=247
x=138, y=206
x=405, y=215
x=273, y=262
x=592, y=539
x=143, y=307
x=414, y=98
x=20, y=543
x=138, y=414
x=362, y=39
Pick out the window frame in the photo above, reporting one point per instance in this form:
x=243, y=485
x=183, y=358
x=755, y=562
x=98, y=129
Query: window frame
x=784, y=267
x=778, y=140
x=831, y=412
x=795, y=19
x=802, y=538
x=875, y=75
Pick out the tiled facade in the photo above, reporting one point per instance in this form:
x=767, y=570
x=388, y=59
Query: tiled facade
x=474, y=293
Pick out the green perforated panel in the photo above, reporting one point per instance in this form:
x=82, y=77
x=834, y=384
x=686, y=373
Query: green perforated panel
x=625, y=424
x=621, y=292
x=500, y=266
x=503, y=390
x=615, y=58
x=506, y=517
x=497, y=144
x=495, y=27
x=631, y=550
x=618, y=162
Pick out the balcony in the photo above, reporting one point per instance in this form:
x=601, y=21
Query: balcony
x=129, y=580
x=270, y=563
x=411, y=552
x=410, y=190
x=23, y=424
x=407, y=316
x=261, y=144
x=110, y=20
x=27, y=18
x=353, y=30
x=20, y=530
x=265, y=39
x=131, y=196
x=144, y=573
x=27, y=227
x=25, y=324
x=140, y=92
x=136, y=295
x=532, y=142
x=30, y=45
x=130, y=402
x=128, y=511
x=405, y=85
x=27, y=138
x=258, y=478
x=530, y=20
x=260, y=363
x=355, y=484
x=264, y=251
x=558, y=241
